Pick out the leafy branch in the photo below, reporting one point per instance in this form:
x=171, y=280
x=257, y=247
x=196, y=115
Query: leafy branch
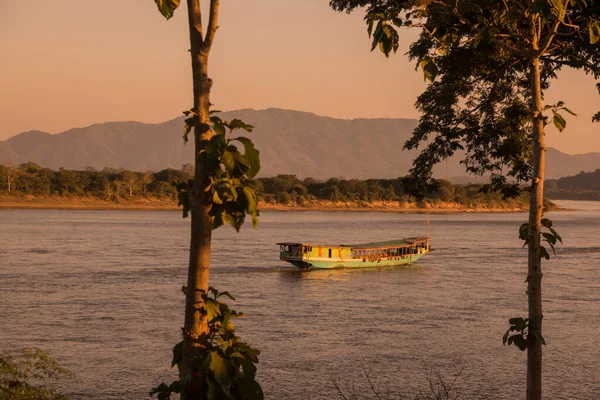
x=521, y=336
x=558, y=120
x=231, y=190
x=227, y=364
x=551, y=237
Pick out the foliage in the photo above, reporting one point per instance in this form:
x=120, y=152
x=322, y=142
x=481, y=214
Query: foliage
x=167, y=7
x=23, y=375
x=551, y=237
x=286, y=189
x=111, y=184
x=474, y=53
x=230, y=173
x=520, y=337
x=227, y=365
x=172, y=185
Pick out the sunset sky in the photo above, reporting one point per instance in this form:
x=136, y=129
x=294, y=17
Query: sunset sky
x=73, y=63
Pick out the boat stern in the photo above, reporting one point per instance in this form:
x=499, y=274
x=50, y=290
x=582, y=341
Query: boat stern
x=294, y=253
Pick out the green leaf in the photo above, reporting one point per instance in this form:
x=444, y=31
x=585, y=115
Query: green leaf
x=220, y=217
x=241, y=163
x=226, y=294
x=212, y=309
x=189, y=124
x=252, y=205
x=216, y=198
x=177, y=355
x=556, y=235
x=167, y=7
x=549, y=238
x=377, y=35
x=524, y=231
x=594, y=33
x=238, y=124
x=182, y=196
x=214, y=150
x=218, y=126
x=519, y=323
x=558, y=8
x=520, y=342
x=559, y=122
x=430, y=69
x=252, y=155
x=544, y=253
x=220, y=369
x=569, y=111
x=546, y=222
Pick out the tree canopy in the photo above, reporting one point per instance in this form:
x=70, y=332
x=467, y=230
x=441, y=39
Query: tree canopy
x=476, y=54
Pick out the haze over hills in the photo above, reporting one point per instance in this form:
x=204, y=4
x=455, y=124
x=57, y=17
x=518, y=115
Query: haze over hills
x=290, y=142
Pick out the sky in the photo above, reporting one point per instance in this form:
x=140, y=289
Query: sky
x=73, y=63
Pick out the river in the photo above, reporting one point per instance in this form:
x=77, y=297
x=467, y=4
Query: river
x=101, y=291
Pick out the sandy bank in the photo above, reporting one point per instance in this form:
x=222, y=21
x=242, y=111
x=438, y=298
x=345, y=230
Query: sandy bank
x=152, y=204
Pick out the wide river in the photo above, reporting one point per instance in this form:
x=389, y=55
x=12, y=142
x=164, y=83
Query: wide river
x=101, y=291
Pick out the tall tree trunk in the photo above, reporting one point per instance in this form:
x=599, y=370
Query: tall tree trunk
x=534, y=270
x=195, y=329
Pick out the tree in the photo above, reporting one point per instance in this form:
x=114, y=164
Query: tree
x=10, y=174
x=24, y=375
x=494, y=60
x=220, y=192
x=130, y=180
x=188, y=169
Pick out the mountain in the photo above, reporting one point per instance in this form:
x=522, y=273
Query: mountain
x=290, y=142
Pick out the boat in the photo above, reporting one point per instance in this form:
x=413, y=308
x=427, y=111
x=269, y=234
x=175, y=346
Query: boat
x=376, y=254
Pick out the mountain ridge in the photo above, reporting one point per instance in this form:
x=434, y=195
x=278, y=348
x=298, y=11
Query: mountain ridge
x=291, y=142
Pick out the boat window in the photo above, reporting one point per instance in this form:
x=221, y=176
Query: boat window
x=329, y=253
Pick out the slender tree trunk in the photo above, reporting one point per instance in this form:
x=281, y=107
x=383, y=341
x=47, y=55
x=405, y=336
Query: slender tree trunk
x=195, y=331
x=534, y=271
x=9, y=175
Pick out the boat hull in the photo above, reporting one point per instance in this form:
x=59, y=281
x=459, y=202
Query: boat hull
x=353, y=263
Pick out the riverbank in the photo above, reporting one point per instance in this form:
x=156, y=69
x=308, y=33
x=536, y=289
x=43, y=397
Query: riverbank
x=154, y=204
x=85, y=203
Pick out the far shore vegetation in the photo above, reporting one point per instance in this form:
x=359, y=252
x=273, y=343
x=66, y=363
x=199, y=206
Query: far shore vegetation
x=29, y=185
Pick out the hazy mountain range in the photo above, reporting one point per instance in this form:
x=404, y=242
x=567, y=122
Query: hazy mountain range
x=290, y=142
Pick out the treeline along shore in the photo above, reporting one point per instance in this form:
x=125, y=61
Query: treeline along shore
x=583, y=186
x=32, y=186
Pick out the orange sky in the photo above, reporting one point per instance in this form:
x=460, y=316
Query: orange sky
x=71, y=63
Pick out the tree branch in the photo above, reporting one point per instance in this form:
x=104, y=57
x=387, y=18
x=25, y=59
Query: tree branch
x=212, y=24
x=552, y=34
x=195, y=21
x=511, y=49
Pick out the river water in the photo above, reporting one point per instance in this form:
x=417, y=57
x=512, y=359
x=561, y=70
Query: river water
x=100, y=290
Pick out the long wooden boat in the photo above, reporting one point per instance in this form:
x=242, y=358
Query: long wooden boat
x=365, y=255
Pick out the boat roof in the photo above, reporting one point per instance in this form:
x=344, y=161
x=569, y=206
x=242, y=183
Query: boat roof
x=372, y=245
x=389, y=243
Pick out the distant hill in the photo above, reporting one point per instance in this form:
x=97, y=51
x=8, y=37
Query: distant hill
x=291, y=142
x=583, y=181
